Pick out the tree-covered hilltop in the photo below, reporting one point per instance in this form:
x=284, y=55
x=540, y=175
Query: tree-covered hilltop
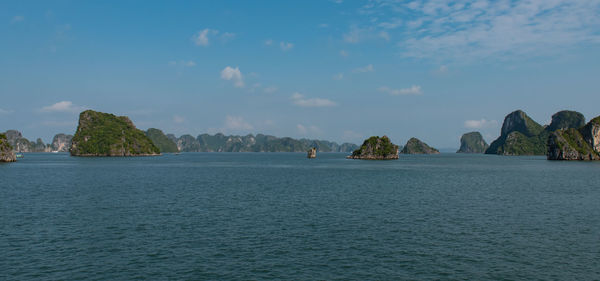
x=163, y=143
x=416, y=146
x=6, y=150
x=576, y=144
x=259, y=143
x=376, y=148
x=104, y=134
x=472, y=142
x=521, y=135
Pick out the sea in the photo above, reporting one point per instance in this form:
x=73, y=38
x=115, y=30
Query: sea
x=281, y=216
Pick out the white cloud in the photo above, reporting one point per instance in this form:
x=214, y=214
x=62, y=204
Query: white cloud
x=5, y=111
x=16, y=19
x=480, y=124
x=413, y=90
x=285, y=46
x=443, y=69
x=269, y=42
x=270, y=89
x=323, y=25
x=233, y=74
x=338, y=76
x=201, y=37
x=178, y=119
x=63, y=106
x=344, y=53
x=300, y=100
x=368, y=68
x=473, y=30
x=237, y=123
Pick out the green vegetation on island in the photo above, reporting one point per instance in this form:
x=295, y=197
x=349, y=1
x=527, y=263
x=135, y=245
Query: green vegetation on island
x=416, y=146
x=163, y=143
x=576, y=144
x=376, y=148
x=6, y=150
x=472, y=142
x=104, y=134
x=521, y=135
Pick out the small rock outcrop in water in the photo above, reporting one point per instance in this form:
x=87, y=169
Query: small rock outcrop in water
x=376, y=148
x=164, y=143
x=6, y=151
x=576, y=144
x=104, y=134
x=312, y=153
x=472, y=142
x=415, y=146
x=61, y=143
x=521, y=135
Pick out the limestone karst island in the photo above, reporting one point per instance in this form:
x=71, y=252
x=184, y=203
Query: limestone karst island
x=376, y=148
x=104, y=134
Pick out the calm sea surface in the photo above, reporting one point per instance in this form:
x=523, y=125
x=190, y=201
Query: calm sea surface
x=224, y=216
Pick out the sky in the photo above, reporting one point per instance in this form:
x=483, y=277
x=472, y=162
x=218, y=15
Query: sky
x=335, y=70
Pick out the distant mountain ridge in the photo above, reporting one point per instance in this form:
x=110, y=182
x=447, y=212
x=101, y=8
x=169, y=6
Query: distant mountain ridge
x=251, y=143
x=60, y=143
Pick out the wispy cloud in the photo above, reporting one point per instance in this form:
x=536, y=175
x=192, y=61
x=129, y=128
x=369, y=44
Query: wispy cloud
x=344, y=53
x=269, y=42
x=233, y=74
x=178, y=119
x=270, y=89
x=477, y=29
x=17, y=19
x=368, y=68
x=62, y=106
x=338, y=76
x=202, y=37
x=237, y=123
x=304, y=130
x=302, y=101
x=183, y=63
x=413, y=90
x=5, y=111
x=480, y=124
x=286, y=46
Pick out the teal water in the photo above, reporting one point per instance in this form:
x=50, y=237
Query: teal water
x=226, y=216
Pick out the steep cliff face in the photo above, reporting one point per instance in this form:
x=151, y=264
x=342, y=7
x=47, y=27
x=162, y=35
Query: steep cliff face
x=376, y=148
x=104, y=134
x=6, y=150
x=416, y=146
x=163, y=142
x=17, y=141
x=520, y=135
x=61, y=143
x=472, y=142
x=576, y=144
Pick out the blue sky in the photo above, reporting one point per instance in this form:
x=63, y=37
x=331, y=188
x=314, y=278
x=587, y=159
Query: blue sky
x=336, y=70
